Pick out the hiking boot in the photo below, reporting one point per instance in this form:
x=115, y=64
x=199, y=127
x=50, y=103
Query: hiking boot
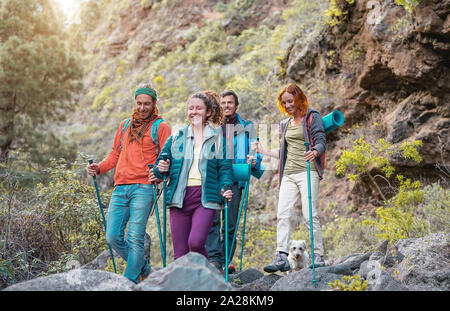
x=217, y=265
x=144, y=276
x=231, y=268
x=280, y=263
x=318, y=261
x=145, y=272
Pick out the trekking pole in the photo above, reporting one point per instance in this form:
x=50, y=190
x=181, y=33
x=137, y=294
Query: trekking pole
x=245, y=210
x=165, y=212
x=163, y=252
x=310, y=216
x=238, y=219
x=90, y=161
x=226, y=237
x=243, y=227
x=244, y=202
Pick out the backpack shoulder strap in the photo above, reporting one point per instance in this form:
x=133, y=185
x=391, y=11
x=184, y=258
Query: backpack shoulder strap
x=308, y=128
x=126, y=124
x=154, y=133
x=308, y=124
x=124, y=129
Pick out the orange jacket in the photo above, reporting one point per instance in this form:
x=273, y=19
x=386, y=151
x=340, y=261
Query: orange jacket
x=131, y=162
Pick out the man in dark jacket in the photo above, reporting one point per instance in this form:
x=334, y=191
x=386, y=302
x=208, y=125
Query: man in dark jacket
x=239, y=135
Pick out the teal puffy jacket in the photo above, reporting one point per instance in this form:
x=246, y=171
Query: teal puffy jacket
x=215, y=169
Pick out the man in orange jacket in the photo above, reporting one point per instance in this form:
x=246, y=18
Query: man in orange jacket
x=132, y=199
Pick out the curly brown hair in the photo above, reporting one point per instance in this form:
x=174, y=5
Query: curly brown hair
x=217, y=116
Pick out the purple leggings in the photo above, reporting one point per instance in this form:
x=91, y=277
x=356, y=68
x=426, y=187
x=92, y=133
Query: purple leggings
x=190, y=225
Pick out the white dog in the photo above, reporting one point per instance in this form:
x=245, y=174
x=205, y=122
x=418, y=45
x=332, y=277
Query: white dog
x=298, y=256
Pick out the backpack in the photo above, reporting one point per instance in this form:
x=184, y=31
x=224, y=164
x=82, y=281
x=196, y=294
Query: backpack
x=154, y=132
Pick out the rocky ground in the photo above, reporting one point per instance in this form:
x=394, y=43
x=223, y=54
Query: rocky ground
x=417, y=264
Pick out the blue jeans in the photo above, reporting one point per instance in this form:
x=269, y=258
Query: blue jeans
x=130, y=204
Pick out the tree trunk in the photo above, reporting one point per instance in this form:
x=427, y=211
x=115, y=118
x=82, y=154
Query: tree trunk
x=376, y=186
x=5, y=151
x=8, y=129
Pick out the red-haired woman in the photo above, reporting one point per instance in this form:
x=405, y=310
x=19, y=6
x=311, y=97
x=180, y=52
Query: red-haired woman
x=301, y=125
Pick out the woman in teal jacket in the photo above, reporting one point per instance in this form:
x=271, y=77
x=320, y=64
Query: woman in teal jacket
x=199, y=177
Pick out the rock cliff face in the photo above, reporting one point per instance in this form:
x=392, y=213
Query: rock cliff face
x=385, y=65
x=380, y=64
x=168, y=24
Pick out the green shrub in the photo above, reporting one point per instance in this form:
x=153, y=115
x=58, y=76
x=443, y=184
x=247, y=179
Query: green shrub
x=121, y=265
x=103, y=98
x=414, y=212
x=6, y=271
x=406, y=214
x=69, y=213
x=347, y=235
x=336, y=12
x=434, y=209
x=45, y=227
x=365, y=157
x=397, y=219
x=409, y=5
x=351, y=283
x=260, y=242
x=209, y=47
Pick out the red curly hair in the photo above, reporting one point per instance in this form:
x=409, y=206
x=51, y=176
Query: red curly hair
x=300, y=99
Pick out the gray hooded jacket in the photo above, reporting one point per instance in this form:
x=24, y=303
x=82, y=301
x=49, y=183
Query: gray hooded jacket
x=317, y=140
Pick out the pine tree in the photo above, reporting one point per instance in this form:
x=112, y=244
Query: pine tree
x=38, y=73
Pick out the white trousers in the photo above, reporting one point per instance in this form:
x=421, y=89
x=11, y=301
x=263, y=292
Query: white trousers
x=292, y=187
